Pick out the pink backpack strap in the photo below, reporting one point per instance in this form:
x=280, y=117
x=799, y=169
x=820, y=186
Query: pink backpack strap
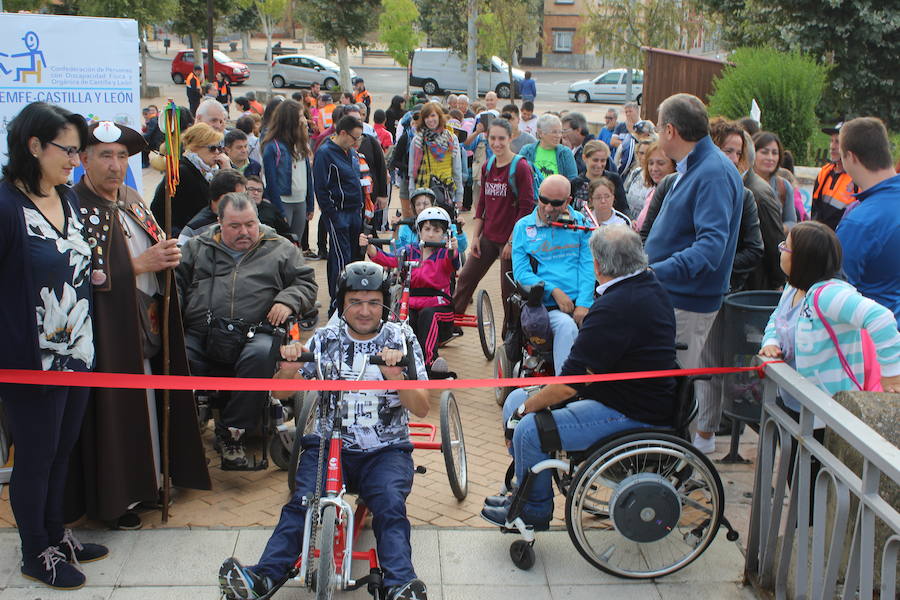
x=833, y=337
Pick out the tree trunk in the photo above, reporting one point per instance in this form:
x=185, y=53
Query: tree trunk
x=245, y=44
x=267, y=29
x=196, y=40
x=144, y=73
x=472, y=50
x=210, y=40
x=303, y=40
x=628, y=86
x=344, y=61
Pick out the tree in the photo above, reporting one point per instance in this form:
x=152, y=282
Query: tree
x=244, y=21
x=444, y=23
x=341, y=24
x=503, y=26
x=269, y=13
x=145, y=13
x=859, y=39
x=396, y=30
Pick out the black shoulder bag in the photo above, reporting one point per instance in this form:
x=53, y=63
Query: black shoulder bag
x=225, y=338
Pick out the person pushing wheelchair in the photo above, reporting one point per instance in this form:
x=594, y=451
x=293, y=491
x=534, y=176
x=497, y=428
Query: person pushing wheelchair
x=630, y=327
x=376, y=452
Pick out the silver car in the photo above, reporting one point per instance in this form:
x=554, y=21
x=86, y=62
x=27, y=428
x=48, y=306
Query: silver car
x=301, y=70
x=608, y=87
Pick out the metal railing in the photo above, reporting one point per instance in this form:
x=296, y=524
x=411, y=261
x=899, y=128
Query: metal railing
x=789, y=554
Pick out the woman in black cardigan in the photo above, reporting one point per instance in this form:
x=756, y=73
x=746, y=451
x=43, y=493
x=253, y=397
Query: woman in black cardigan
x=203, y=157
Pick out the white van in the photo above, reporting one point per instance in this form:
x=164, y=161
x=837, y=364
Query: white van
x=440, y=69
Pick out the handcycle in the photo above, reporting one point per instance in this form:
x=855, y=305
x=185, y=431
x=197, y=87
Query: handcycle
x=332, y=526
x=641, y=503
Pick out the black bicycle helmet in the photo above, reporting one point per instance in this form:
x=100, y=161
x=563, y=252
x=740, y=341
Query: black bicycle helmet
x=363, y=276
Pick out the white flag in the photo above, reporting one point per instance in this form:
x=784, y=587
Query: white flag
x=754, y=111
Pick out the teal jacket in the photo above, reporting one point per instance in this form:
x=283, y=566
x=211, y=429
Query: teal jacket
x=565, y=161
x=561, y=258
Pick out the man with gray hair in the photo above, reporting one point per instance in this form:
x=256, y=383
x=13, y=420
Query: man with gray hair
x=630, y=327
x=575, y=135
x=271, y=284
x=213, y=114
x=692, y=242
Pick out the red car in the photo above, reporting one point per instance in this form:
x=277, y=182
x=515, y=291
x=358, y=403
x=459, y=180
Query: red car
x=234, y=72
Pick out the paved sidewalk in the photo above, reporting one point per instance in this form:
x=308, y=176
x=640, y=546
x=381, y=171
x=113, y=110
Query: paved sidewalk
x=456, y=564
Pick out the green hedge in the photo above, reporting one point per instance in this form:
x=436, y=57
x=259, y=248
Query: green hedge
x=787, y=86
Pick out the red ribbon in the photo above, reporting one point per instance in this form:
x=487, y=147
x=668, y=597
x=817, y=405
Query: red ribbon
x=244, y=384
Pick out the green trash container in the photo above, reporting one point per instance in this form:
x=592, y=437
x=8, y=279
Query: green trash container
x=746, y=315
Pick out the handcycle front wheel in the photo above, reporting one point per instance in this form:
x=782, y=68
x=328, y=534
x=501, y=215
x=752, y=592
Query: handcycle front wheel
x=325, y=570
x=453, y=446
x=487, y=329
x=502, y=369
x=304, y=423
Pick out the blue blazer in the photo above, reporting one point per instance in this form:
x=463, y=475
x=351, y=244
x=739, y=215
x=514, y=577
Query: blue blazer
x=277, y=165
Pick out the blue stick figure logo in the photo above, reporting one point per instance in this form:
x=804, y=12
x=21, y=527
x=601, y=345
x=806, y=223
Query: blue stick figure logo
x=33, y=59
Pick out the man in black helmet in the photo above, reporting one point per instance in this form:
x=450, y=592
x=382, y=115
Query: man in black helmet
x=376, y=449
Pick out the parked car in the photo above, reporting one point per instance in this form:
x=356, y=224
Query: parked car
x=440, y=69
x=608, y=87
x=302, y=71
x=234, y=72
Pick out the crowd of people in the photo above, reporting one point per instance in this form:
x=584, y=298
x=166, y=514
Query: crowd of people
x=660, y=220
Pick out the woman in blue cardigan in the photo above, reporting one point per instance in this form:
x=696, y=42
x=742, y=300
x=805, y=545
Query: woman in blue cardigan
x=289, y=177
x=45, y=316
x=548, y=155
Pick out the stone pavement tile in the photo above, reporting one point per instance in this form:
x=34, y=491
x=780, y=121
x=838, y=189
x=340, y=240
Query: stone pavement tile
x=210, y=592
x=36, y=591
x=719, y=591
x=722, y=562
x=177, y=557
x=494, y=592
x=10, y=555
x=563, y=563
x=481, y=559
x=639, y=590
x=121, y=545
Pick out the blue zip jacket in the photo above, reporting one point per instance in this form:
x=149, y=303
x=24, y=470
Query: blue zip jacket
x=692, y=243
x=277, y=165
x=562, y=256
x=565, y=160
x=337, y=178
x=870, y=237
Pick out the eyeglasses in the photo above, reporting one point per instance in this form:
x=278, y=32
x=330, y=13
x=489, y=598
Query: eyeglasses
x=216, y=149
x=253, y=190
x=71, y=151
x=603, y=197
x=355, y=137
x=552, y=202
x=782, y=247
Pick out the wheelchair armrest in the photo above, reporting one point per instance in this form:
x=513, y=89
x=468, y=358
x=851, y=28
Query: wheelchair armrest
x=533, y=294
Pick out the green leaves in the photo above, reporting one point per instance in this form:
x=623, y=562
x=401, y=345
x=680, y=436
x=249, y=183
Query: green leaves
x=396, y=28
x=787, y=86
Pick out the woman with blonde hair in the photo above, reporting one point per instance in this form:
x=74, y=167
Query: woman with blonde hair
x=204, y=155
x=655, y=165
x=435, y=158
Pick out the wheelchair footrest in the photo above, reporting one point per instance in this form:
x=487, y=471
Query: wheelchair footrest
x=252, y=465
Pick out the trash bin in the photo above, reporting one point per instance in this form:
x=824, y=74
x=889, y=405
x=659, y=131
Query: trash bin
x=746, y=315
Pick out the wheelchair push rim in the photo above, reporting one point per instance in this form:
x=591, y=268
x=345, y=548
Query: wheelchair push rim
x=502, y=369
x=644, y=506
x=453, y=446
x=487, y=328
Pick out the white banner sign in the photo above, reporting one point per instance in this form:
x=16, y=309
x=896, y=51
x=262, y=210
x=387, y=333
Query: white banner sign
x=87, y=65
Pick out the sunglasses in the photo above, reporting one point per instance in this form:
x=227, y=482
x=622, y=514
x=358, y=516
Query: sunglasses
x=71, y=151
x=216, y=149
x=552, y=202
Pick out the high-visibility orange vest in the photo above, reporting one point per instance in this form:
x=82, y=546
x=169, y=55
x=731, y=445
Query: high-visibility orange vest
x=192, y=78
x=833, y=193
x=362, y=97
x=326, y=114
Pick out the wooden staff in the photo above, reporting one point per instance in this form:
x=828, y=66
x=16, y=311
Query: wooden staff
x=172, y=130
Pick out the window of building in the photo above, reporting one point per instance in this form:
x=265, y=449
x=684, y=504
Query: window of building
x=564, y=2
x=562, y=40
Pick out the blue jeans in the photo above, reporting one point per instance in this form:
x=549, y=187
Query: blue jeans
x=565, y=330
x=343, y=229
x=382, y=478
x=580, y=424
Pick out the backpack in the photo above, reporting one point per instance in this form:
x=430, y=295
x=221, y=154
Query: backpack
x=512, y=175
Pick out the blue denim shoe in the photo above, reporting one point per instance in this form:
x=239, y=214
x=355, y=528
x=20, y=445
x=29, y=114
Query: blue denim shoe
x=237, y=582
x=50, y=568
x=76, y=552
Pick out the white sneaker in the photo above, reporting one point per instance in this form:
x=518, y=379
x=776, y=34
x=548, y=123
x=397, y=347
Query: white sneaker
x=440, y=365
x=704, y=445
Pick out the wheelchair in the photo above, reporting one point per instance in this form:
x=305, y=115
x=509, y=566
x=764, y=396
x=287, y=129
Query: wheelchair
x=520, y=356
x=640, y=504
x=277, y=435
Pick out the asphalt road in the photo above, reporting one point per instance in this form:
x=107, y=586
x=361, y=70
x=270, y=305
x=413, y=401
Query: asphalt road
x=551, y=85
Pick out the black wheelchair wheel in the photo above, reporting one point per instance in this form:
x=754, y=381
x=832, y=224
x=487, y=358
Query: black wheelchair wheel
x=280, y=452
x=453, y=446
x=487, y=328
x=502, y=368
x=522, y=554
x=304, y=423
x=325, y=572
x=644, y=505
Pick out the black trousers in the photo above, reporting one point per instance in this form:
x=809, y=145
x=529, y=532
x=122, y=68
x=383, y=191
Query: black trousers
x=45, y=423
x=432, y=325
